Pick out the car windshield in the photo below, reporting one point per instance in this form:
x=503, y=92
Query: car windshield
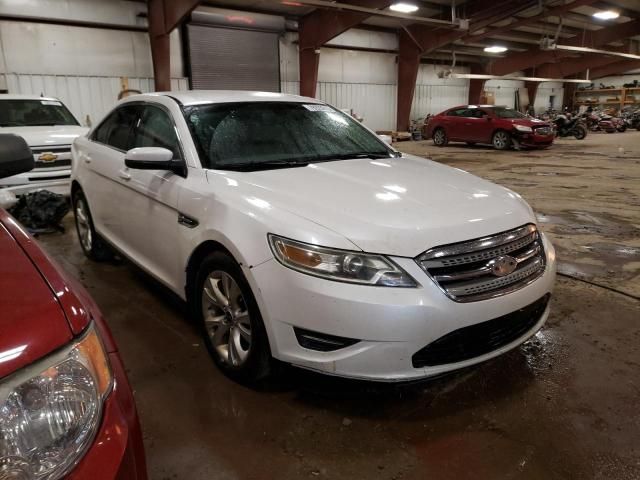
x=272, y=134
x=33, y=113
x=504, y=112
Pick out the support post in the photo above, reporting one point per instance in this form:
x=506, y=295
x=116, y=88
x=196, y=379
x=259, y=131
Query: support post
x=408, y=65
x=476, y=86
x=532, y=90
x=309, y=63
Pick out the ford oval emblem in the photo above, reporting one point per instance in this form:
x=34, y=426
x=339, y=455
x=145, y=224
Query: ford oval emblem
x=503, y=265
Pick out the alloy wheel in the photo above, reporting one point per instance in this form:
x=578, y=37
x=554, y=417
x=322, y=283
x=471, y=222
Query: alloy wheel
x=439, y=137
x=500, y=140
x=84, y=227
x=226, y=318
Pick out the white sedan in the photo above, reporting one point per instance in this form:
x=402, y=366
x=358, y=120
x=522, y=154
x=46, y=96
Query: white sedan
x=295, y=233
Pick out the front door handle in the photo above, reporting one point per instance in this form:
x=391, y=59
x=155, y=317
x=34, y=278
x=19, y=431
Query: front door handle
x=123, y=174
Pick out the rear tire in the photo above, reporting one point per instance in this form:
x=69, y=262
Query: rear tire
x=230, y=320
x=439, y=137
x=93, y=246
x=501, y=140
x=580, y=132
x=622, y=128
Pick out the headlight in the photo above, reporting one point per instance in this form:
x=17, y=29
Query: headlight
x=339, y=265
x=523, y=128
x=50, y=411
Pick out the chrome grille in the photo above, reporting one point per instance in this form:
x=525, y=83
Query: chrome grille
x=61, y=152
x=543, y=130
x=486, y=267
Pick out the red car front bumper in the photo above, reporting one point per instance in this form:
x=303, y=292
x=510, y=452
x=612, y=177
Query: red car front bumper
x=533, y=140
x=117, y=451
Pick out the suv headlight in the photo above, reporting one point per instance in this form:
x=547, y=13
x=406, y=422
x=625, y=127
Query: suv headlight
x=339, y=265
x=50, y=411
x=523, y=128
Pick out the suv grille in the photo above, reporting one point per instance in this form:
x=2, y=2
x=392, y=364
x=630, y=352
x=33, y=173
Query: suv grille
x=482, y=338
x=486, y=267
x=51, y=157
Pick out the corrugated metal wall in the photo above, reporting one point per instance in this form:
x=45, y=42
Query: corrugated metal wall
x=92, y=96
x=375, y=103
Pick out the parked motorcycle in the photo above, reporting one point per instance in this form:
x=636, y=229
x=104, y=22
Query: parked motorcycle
x=569, y=127
x=596, y=123
x=631, y=118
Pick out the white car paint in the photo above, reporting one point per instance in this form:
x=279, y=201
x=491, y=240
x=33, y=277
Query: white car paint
x=398, y=207
x=55, y=140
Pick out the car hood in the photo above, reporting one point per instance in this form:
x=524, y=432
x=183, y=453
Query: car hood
x=396, y=206
x=527, y=122
x=32, y=323
x=47, y=135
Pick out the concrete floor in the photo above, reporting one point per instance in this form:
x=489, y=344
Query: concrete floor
x=565, y=405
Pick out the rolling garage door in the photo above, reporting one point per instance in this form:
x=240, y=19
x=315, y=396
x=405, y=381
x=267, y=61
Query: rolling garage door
x=223, y=56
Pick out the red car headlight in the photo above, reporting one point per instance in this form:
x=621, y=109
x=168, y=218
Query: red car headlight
x=50, y=411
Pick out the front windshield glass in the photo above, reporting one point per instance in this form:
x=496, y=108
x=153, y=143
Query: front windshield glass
x=34, y=113
x=504, y=112
x=231, y=135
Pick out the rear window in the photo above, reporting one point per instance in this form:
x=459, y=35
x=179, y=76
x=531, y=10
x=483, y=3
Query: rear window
x=504, y=112
x=34, y=113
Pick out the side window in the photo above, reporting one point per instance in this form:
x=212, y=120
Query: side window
x=156, y=129
x=116, y=130
x=458, y=112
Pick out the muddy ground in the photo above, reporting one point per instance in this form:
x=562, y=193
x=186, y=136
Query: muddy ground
x=563, y=406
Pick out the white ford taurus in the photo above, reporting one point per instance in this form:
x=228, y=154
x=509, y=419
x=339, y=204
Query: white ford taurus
x=293, y=232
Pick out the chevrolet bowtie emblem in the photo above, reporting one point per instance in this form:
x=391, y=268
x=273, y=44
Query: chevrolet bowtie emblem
x=47, y=157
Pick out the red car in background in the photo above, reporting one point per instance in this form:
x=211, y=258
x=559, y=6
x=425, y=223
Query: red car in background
x=500, y=126
x=66, y=407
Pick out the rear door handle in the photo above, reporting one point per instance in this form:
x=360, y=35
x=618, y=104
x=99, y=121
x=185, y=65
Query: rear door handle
x=124, y=175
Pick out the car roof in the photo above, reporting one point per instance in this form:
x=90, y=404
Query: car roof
x=479, y=106
x=196, y=97
x=13, y=96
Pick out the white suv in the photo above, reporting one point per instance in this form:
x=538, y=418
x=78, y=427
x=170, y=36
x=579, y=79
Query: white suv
x=294, y=232
x=49, y=128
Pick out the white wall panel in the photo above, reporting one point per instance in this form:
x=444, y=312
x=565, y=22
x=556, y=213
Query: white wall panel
x=43, y=49
x=113, y=12
x=366, y=39
x=93, y=96
x=546, y=91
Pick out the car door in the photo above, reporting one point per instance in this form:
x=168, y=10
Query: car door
x=476, y=126
x=101, y=159
x=150, y=213
x=453, y=123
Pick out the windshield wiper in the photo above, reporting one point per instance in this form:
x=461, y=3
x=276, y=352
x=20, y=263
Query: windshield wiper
x=253, y=166
x=352, y=156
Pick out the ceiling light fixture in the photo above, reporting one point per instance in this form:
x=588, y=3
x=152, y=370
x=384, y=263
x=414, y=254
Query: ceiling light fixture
x=404, y=7
x=606, y=15
x=495, y=49
x=478, y=76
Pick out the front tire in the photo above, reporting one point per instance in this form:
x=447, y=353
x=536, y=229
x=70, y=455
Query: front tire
x=93, y=246
x=501, y=140
x=440, y=137
x=230, y=319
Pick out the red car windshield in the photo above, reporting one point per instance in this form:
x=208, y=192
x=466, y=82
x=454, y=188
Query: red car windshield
x=504, y=112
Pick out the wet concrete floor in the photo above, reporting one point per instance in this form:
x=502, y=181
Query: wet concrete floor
x=565, y=405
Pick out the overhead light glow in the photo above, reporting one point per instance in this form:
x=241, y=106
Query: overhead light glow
x=404, y=7
x=495, y=49
x=606, y=15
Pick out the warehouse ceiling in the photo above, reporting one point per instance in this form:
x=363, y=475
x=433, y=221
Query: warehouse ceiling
x=518, y=25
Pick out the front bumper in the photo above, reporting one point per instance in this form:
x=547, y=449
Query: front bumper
x=534, y=140
x=56, y=180
x=117, y=451
x=392, y=324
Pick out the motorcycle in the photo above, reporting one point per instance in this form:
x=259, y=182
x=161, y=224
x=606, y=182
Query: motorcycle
x=596, y=123
x=632, y=119
x=618, y=123
x=566, y=127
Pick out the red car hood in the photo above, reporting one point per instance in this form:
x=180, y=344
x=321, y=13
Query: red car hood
x=527, y=122
x=40, y=310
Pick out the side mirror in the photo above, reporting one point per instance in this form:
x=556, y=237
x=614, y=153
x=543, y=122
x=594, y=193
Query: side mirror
x=386, y=139
x=149, y=158
x=15, y=156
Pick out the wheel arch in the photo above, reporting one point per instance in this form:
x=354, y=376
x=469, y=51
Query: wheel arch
x=197, y=256
x=75, y=187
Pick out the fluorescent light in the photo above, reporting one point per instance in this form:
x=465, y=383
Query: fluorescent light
x=571, y=48
x=495, y=49
x=478, y=76
x=606, y=15
x=403, y=7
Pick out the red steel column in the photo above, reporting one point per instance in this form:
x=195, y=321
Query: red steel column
x=309, y=63
x=408, y=65
x=532, y=89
